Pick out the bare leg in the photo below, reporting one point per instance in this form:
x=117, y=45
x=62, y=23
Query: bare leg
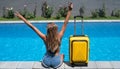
x=62, y=57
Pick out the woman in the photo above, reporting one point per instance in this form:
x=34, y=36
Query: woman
x=52, y=40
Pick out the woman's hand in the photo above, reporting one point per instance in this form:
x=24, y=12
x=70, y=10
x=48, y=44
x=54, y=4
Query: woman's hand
x=70, y=6
x=18, y=14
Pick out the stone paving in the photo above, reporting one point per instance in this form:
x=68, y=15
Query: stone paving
x=65, y=65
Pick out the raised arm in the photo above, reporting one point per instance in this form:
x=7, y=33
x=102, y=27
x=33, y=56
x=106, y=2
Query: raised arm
x=66, y=21
x=31, y=26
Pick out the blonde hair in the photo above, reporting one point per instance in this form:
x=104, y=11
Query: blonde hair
x=52, y=41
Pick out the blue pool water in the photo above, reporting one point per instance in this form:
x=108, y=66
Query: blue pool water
x=18, y=42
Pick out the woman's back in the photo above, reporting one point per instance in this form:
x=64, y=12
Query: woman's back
x=52, y=38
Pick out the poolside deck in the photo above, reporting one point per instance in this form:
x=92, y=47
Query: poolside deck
x=65, y=65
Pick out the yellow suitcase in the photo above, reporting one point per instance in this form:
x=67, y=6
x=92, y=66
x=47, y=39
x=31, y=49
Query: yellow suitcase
x=79, y=48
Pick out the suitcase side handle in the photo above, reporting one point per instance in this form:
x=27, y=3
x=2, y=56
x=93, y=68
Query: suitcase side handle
x=82, y=25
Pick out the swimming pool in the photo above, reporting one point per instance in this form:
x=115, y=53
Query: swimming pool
x=18, y=42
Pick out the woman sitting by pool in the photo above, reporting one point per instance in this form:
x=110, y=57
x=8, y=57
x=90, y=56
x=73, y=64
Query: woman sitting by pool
x=52, y=40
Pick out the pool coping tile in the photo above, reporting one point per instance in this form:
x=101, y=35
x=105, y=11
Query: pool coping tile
x=115, y=64
x=67, y=65
x=91, y=65
x=103, y=64
x=25, y=65
x=10, y=65
x=37, y=65
x=62, y=66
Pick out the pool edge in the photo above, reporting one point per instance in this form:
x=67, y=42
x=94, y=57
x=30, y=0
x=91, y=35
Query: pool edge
x=42, y=21
x=37, y=64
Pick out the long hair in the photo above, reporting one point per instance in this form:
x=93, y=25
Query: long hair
x=52, y=41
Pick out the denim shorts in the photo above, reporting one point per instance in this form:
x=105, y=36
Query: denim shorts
x=51, y=60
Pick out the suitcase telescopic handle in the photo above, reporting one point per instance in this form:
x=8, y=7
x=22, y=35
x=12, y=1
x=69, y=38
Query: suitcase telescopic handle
x=82, y=25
